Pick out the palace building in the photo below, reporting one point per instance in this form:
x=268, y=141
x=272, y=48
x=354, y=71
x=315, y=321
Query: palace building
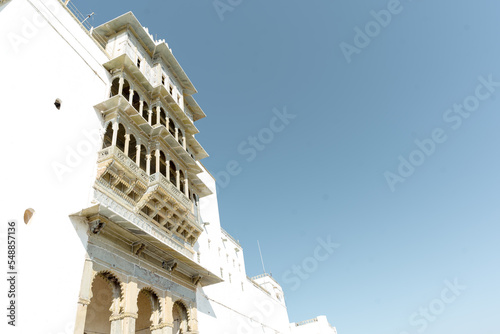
x=118, y=224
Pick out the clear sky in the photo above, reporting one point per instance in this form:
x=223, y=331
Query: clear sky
x=388, y=146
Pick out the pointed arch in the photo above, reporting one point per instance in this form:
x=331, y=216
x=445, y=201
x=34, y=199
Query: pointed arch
x=180, y=137
x=145, y=111
x=120, y=139
x=149, y=311
x=108, y=136
x=171, y=127
x=126, y=89
x=105, y=302
x=163, y=164
x=132, y=149
x=154, y=116
x=181, y=318
x=163, y=117
x=115, y=86
x=173, y=173
x=153, y=167
x=136, y=101
x=143, y=159
x=181, y=183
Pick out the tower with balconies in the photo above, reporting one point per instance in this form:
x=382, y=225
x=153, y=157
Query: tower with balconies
x=146, y=192
x=114, y=235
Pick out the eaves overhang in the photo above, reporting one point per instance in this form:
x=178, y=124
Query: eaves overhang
x=160, y=244
x=159, y=49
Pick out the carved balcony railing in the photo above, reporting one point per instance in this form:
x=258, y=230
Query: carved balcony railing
x=116, y=154
x=152, y=197
x=177, y=195
x=117, y=174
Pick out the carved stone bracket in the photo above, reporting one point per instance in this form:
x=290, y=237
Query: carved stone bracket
x=170, y=265
x=96, y=226
x=138, y=248
x=196, y=279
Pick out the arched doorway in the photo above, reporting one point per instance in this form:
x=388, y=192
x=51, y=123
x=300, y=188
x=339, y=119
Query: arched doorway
x=148, y=314
x=180, y=317
x=105, y=302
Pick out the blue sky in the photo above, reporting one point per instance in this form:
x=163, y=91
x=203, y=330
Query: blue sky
x=355, y=120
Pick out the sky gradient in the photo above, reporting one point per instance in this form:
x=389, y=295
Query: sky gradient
x=415, y=100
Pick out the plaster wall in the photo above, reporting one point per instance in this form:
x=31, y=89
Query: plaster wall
x=48, y=155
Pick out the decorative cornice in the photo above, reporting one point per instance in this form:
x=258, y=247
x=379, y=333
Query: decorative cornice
x=138, y=248
x=123, y=316
x=96, y=224
x=83, y=301
x=170, y=265
x=163, y=325
x=196, y=279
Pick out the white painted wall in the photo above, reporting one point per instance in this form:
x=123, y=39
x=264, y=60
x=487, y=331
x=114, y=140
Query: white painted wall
x=49, y=164
x=226, y=308
x=319, y=325
x=46, y=55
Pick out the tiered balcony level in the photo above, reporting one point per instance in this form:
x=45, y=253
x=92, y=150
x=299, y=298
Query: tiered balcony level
x=153, y=197
x=150, y=195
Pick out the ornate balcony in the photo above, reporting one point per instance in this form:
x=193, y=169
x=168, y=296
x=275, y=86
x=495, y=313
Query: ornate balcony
x=171, y=191
x=118, y=175
x=153, y=197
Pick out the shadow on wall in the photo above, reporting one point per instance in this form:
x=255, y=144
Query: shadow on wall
x=3, y=5
x=203, y=304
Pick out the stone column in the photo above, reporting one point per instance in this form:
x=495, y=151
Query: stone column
x=167, y=322
x=141, y=106
x=120, y=85
x=131, y=97
x=138, y=156
x=193, y=319
x=186, y=185
x=127, y=142
x=178, y=179
x=148, y=164
x=177, y=134
x=115, y=132
x=167, y=161
x=116, y=317
x=157, y=155
x=130, y=309
x=84, y=297
x=150, y=116
x=158, y=115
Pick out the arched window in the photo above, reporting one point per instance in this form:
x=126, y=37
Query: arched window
x=142, y=160
x=152, y=164
x=173, y=173
x=145, y=111
x=132, y=150
x=181, y=185
x=180, y=137
x=163, y=117
x=163, y=164
x=120, y=140
x=136, y=99
x=115, y=86
x=108, y=136
x=171, y=127
x=126, y=89
x=154, y=117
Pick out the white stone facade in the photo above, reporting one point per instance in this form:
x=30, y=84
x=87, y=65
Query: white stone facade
x=99, y=142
